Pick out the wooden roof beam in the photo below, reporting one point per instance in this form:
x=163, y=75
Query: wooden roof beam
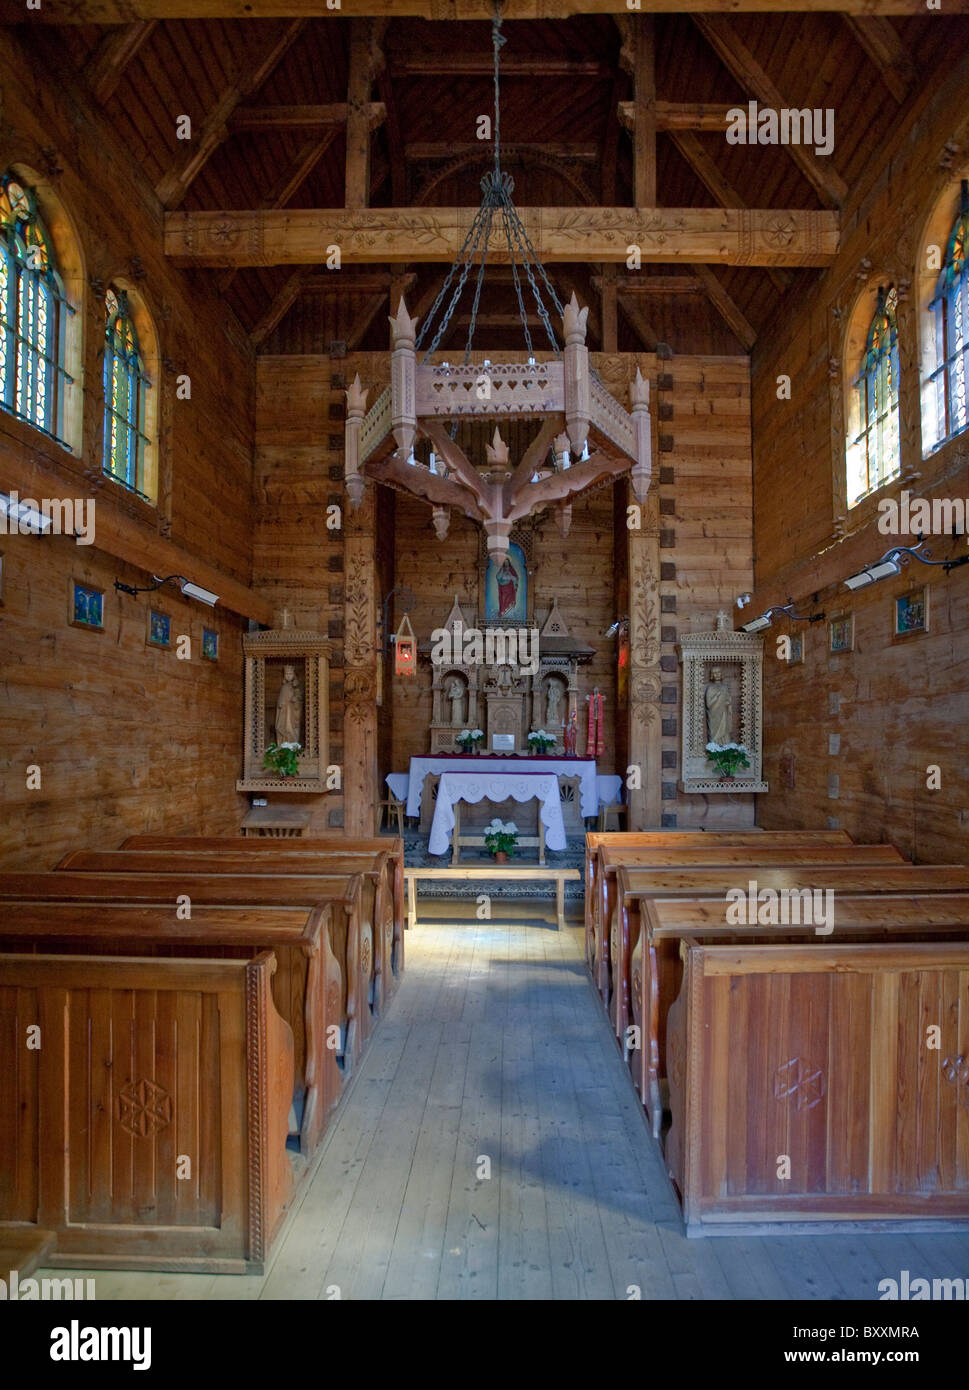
x=708, y=172
x=637, y=322
x=638, y=56
x=122, y=11
x=717, y=236
x=434, y=151
x=118, y=48
x=282, y=302
x=881, y=42
x=215, y=128
x=654, y=284
x=447, y=64
x=725, y=306
x=334, y=113
x=741, y=63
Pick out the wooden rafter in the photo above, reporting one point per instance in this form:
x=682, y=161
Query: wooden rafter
x=362, y=66
x=638, y=56
x=289, y=182
x=881, y=42
x=738, y=60
x=117, y=49
x=175, y=183
x=723, y=236
x=450, y=64
x=434, y=151
x=725, y=306
x=609, y=302
x=658, y=285
x=320, y=117
x=708, y=172
x=282, y=302
x=637, y=322
x=121, y=11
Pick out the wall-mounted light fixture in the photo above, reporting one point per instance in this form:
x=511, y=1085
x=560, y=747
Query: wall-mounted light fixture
x=189, y=589
x=620, y=626
x=892, y=561
x=765, y=619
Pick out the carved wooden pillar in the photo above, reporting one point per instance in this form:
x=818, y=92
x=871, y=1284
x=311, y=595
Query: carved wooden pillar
x=360, y=669
x=645, y=685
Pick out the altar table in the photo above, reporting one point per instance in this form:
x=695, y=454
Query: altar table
x=583, y=768
x=497, y=786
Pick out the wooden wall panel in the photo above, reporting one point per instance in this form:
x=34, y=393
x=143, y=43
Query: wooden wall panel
x=127, y=738
x=899, y=707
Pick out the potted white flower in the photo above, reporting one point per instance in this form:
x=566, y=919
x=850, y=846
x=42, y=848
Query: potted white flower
x=469, y=739
x=283, y=759
x=501, y=839
x=540, y=741
x=726, y=758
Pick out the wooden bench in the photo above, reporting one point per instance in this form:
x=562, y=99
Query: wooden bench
x=866, y=905
x=802, y=1092
x=307, y=984
x=756, y=855
x=685, y=839
x=148, y=1128
x=351, y=935
x=322, y=848
x=634, y=884
x=500, y=871
x=375, y=871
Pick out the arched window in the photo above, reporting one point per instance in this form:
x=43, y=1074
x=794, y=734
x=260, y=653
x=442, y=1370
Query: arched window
x=33, y=314
x=873, y=457
x=125, y=397
x=950, y=311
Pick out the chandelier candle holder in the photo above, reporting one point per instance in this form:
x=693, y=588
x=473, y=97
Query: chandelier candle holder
x=595, y=439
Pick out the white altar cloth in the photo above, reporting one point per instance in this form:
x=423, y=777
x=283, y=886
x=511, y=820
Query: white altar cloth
x=496, y=786
x=583, y=768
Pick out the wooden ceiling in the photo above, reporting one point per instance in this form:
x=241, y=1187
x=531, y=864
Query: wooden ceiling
x=267, y=99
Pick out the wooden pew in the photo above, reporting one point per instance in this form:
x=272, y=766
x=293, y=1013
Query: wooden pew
x=390, y=851
x=805, y=851
x=919, y=898
x=687, y=839
x=145, y=1065
x=307, y=984
x=350, y=933
x=376, y=872
x=817, y=1052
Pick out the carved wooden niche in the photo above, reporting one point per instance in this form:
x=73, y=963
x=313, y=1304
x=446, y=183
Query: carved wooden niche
x=722, y=700
x=299, y=659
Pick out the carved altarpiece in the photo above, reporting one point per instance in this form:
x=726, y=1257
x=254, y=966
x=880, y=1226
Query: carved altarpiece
x=267, y=655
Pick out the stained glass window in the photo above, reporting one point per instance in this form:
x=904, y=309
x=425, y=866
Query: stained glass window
x=33, y=314
x=950, y=309
x=125, y=388
x=873, y=453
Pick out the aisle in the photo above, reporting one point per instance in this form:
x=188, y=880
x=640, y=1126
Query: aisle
x=495, y=1052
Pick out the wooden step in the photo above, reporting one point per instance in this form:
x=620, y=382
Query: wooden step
x=24, y=1249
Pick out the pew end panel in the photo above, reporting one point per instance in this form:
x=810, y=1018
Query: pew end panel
x=817, y=1057
x=148, y=1131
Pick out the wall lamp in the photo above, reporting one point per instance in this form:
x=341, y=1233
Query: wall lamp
x=892, y=561
x=765, y=619
x=620, y=626
x=188, y=589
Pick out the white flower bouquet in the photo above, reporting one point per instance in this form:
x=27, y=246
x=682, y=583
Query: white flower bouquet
x=727, y=757
x=540, y=741
x=283, y=758
x=501, y=837
x=468, y=739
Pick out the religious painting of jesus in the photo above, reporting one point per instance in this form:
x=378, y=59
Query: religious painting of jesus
x=506, y=588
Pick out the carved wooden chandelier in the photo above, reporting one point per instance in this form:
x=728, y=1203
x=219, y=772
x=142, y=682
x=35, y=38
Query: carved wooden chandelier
x=585, y=437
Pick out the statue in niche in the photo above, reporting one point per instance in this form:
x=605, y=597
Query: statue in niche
x=719, y=705
x=455, y=693
x=289, y=708
x=553, y=698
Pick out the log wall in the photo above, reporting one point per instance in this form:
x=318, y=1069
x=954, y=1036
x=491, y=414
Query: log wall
x=850, y=738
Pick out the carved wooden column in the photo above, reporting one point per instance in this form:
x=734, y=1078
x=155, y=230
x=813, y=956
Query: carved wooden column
x=360, y=788
x=645, y=686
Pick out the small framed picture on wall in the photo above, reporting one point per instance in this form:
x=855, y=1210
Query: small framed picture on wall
x=159, y=629
x=210, y=644
x=910, y=613
x=796, y=657
x=85, y=606
x=841, y=634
